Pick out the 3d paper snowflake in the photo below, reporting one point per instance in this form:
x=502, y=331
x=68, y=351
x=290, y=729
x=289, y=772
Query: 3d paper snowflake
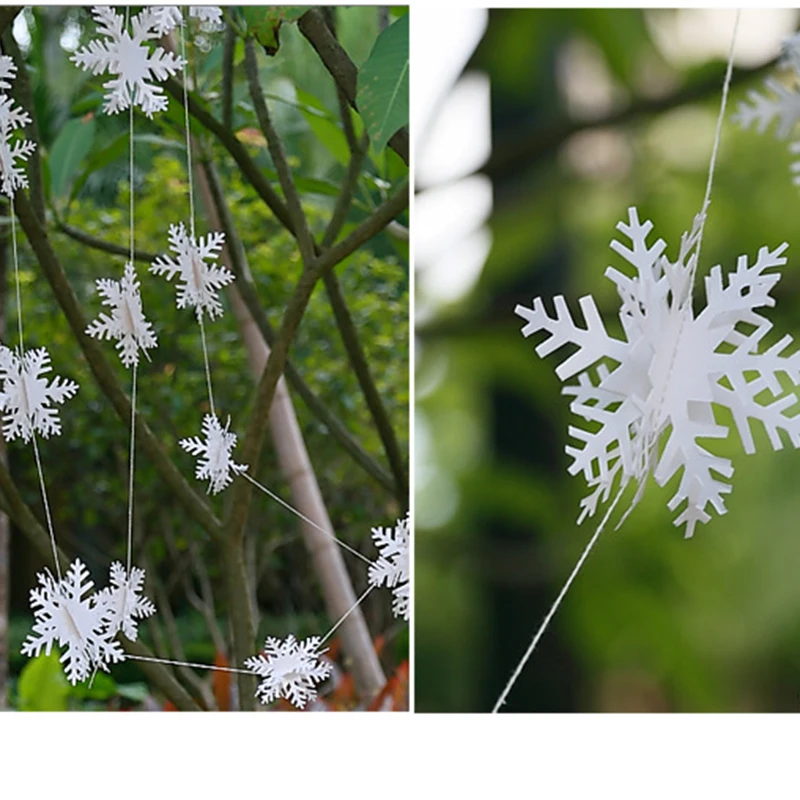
x=167, y=18
x=12, y=117
x=290, y=669
x=26, y=395
x=130, y=58
x=391, y=567
x=653, y=406
x=215, y=453
x=127, y=323
x=126, y=601
x=200, y=281
x=68, y=614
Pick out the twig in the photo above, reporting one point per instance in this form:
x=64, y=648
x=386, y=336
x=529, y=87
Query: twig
x=227, y=75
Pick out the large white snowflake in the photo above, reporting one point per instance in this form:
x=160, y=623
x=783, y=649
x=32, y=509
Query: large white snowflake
x=130, y=58
x=650, y=411
x=391, y=567
x=126, y=601
x=215, y=452
x=127, y=323
x=167, y=18
x=290, y=669
x=199, y=280
x=12, y=177
x=26, y=395
x=68, y=614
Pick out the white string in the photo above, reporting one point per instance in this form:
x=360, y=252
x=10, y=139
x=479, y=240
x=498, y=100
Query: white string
x=131, y=464
x=205, y=354
x=212, y=667
x=304, y=517
x=188, y=130
x=347, y=614
x=46, y=505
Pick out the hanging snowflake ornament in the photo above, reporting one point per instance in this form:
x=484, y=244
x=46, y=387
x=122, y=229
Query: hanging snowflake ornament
x=391, y=567
x=127, y=323
x=199, y=281
x=12, y=117
x=650, y=408
x=167, y=18
x=130, y=58
x=290, y=669
x=69, y=615
x=26, y=395
x=215, y=452
x=126, y=601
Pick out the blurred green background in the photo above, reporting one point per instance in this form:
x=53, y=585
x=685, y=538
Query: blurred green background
x=593, y=111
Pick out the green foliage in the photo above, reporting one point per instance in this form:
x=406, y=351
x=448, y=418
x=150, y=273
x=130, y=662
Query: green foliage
x=42, y=685
x=70, y=148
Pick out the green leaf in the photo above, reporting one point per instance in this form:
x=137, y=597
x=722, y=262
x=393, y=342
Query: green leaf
x=42, y=685
x=71, y=146
x=382, y=96
x=325, y=128
x=265, y=23
x=103, y=687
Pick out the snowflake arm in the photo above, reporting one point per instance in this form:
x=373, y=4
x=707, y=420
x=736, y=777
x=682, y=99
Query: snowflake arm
x=126, y=601
x=167, y=18
x=8, y=71
x=12, y=117
x=391, y=568
x=127, y=323
x=199, y=281
x=784, y=107
x=215, y=454
x=26, y=396
x=290, y=669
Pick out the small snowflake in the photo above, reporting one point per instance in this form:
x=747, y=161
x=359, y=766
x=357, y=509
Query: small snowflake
x=12, y=117
x=391, y=568
x=66, y=613
x=290, y=669
x=26, y=395
x=127, y=601
x=200, y=281
x=127, y=322
x=215, y=453
x=671, y=366
x=130, y=58
x=167, y=18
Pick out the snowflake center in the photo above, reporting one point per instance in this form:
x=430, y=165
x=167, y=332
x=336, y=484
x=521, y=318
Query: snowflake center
x=133, y=59
x=198, y=270
x=127, y=316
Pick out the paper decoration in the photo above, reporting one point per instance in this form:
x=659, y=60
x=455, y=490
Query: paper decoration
x=12, y=117
x=167, y=18
x=199, y=281
x=391, y=567
x=26, y=395
x=130, y=58
x=290, y=669
x=126, y=601
x=215, y=452
x=68, y=614
x=127, y=323
x=670, y=367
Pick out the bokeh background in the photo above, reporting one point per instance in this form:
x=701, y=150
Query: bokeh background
x=543, y=127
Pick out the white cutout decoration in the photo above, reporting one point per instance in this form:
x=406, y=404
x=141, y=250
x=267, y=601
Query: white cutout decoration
x=12, y=117
x=126, y=600
x=215, y=451
x=290, y=669
x=670, y=367
x=26, y=395
x=199, y=281
x=67, y=614
x=130, y=58
x=391, y=567
x=167, y=18
x=127, y=323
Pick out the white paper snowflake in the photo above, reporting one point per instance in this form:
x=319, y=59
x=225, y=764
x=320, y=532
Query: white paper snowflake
x=127, y=323
x=391, y=567
x=167, y=18
x=670, y=367
x=26, y=395
x=130, y=58
x=68, y=614
x=215, y=453
x=291, y=669
x=199, y=280
x=126, y=601
x=12, y=117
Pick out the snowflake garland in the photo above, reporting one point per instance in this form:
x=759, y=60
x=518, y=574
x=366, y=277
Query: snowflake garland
x=67, y=614
x=26, y=395
x=167, y=18
x=127, y=602
x=671, y=367
x=290, y=669
x=12, y=117
x=215, y=452
x=127, y=323
x=200, y=281
x=130, y=58
x=392, y=566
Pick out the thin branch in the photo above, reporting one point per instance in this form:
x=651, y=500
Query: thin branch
x=102, y=245
x=346, y=194
x=7, y=16
x=227, y=75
